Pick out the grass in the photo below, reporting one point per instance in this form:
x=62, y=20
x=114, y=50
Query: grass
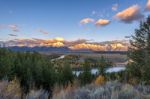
x=111, y=90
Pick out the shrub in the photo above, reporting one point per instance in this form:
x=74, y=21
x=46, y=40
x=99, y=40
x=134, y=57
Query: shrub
x=110, y=90
x=100, y=80
x=13, y=87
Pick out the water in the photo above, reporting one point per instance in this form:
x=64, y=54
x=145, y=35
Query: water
x=115, y=69
x=96, y=71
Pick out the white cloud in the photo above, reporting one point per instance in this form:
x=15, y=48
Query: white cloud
x=43, y=31
x=130, y=14
x=115, y=7
x=102, y=22
x=148, y=5
x=12, y=34
x=14, y=27
x=86, y=20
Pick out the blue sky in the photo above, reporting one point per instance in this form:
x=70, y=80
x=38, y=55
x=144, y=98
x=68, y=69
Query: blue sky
x=46, y=19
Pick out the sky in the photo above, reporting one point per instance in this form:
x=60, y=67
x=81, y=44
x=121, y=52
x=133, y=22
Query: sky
x=95, y=20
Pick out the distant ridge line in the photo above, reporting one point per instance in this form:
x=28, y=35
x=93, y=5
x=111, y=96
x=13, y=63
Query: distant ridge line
x=60, y=50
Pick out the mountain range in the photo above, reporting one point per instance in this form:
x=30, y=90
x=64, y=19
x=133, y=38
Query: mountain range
x=61, y=45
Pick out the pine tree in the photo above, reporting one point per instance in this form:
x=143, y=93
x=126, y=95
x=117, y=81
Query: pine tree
x=139, y=53
x=146, y=75
x=86, y=76
x=67, y=75
x=103, y=65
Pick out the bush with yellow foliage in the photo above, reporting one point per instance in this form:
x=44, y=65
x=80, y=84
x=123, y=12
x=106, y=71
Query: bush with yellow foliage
x=100, y=80
x=14, y=87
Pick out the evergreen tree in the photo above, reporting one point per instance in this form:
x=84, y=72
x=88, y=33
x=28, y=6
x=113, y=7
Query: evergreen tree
x=6, y=61
x=139, y=53
x=103, y=65
x=86, y=76
x=48, y=78
x=67, y=75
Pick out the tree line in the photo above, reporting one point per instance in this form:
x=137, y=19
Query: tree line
x=34, y=70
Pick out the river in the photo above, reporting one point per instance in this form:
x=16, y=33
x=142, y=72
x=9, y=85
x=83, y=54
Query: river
x=96, y=71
